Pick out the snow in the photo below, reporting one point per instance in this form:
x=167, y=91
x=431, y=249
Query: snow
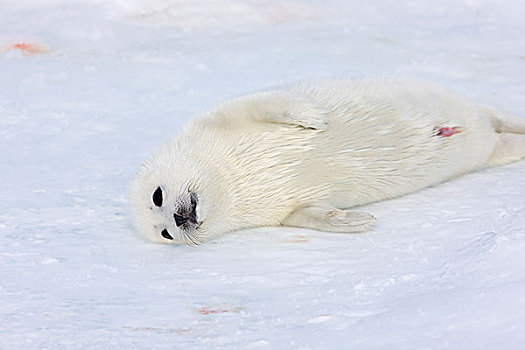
x=89, y=88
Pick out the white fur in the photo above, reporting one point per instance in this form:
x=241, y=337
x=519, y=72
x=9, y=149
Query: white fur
x=257, y=160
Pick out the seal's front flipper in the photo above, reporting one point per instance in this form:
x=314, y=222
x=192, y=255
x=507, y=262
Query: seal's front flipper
x=325, y=218
x=285, y=107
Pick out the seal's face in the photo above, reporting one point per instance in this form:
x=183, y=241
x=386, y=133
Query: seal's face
x=167, y=212
x=178, y=215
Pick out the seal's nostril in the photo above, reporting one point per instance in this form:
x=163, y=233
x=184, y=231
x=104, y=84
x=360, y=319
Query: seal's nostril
x=179, y=220
x=166, y=234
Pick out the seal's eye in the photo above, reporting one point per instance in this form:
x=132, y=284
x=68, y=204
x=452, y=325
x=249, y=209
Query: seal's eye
x=157, y=197
x=166, y=234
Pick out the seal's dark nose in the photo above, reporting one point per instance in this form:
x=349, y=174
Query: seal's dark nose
x=179, y=220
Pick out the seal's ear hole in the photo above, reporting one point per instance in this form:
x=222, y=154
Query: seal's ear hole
x=166, y=234
x=157, y=197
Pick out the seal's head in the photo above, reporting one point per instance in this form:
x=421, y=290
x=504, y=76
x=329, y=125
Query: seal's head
x=173, y=201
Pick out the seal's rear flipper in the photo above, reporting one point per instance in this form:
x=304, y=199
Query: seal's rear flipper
x=510, y=144
x=509, y=148
x=284, y=107
x=506, y=122
x=325, y=218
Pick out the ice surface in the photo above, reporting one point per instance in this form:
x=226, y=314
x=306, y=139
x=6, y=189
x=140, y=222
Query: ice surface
x=89, y=88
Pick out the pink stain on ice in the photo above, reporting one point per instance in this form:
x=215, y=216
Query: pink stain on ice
x=28, y=49
x=206, y=310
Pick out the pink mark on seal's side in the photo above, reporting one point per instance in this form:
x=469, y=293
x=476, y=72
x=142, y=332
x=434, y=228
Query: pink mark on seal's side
x=447, y=131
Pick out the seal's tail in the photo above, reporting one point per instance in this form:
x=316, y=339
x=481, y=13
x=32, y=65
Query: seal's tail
x=505, y=122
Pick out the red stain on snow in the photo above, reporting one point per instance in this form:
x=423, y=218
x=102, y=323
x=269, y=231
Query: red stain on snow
x=206, y=310
x=21, y=46
x=297, y=239
x=28, y=48
x=447, y=131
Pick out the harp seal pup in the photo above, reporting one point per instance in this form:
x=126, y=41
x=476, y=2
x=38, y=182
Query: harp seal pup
x=301, y=155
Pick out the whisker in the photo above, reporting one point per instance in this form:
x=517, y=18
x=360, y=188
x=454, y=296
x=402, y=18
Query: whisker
x=191, y=240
